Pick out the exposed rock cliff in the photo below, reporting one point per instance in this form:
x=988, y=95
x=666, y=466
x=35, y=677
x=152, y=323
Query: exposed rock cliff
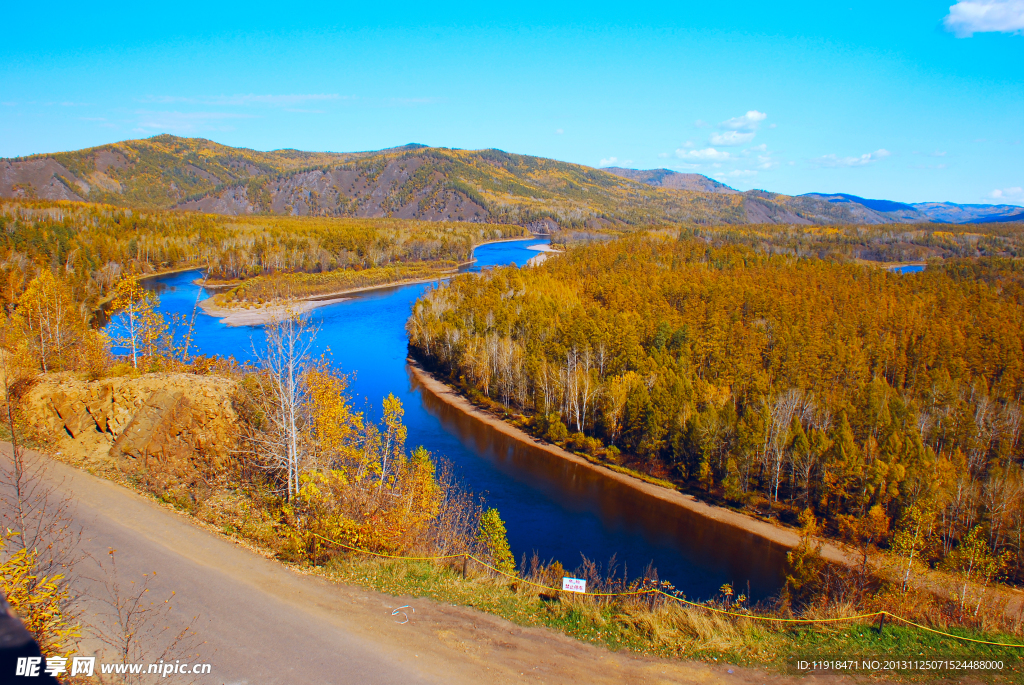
x=155, y=419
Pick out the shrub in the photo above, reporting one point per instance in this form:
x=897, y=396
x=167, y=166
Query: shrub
x=493, y=540
x=556, y=432
x=39, y=601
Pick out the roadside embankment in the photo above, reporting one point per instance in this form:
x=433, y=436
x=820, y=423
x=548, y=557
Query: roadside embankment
x=167, y=417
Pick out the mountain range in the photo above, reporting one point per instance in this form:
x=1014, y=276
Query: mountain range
x=430, y=183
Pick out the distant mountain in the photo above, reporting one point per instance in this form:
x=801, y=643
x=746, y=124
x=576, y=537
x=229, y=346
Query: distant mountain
x=877, y=205
x=873, y=211
x=412, y=182
x=666, y=178
x=949, y=212
x=427, y=183
x=939, y=212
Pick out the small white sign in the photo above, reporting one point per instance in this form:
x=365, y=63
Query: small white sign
x=574, y=585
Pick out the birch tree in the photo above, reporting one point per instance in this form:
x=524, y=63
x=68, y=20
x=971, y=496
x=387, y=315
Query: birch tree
x=284, y=360
x=49, y=317
x=137, y=326
x=779, y=413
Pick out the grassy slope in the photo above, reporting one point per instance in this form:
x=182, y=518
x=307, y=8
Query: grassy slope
x=668, y=630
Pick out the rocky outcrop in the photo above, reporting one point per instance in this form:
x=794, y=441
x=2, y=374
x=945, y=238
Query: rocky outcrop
x=155, y=418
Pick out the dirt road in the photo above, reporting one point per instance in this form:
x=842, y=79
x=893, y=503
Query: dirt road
x=264, y=623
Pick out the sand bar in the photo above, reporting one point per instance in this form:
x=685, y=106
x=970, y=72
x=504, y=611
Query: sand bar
x=259, y=315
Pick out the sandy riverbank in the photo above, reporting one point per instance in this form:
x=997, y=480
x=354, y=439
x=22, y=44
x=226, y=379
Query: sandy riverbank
x=545, y=252
x=264, y=314
x=782, y=536
x=786, y=537
x=259, y=315
x=240, y=316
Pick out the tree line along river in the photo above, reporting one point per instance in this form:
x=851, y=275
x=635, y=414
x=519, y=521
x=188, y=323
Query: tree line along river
x=552, y=506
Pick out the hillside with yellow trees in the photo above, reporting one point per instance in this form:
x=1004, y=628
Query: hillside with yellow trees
x=91, y=246
x=874, y=401
x=411, y=182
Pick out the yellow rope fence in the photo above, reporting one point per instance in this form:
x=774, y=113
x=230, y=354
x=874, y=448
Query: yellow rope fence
x=653, y=591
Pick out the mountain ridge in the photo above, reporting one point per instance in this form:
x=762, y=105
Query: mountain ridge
x=939, y=212
x=666, y=178
x=415, y=181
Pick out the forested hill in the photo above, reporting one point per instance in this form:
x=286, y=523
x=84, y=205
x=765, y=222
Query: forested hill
x=409, y=182
x=765, y=380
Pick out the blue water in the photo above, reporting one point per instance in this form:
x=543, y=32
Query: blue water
x=907, y=268
x=551, y=506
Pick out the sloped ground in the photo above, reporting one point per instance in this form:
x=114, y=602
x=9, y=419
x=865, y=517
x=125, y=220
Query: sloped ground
x=262, y=622
x=127, y=421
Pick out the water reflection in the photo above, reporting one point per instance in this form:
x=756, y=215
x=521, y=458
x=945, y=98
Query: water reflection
x=696, y=553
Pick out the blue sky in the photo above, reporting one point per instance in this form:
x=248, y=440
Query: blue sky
x=910, y=101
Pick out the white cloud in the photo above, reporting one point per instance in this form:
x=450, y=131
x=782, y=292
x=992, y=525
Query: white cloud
x=738, y=130
x=748, y=122
x=250, y=99
x=731, y=138
x=1010, y=194
x=765, y=160
x=559, y=131
x=608, y=162
x=968, y=17
x=707, y=154
x=185, y=122
x=738, y=173
x=663, y=155
x=833, y=161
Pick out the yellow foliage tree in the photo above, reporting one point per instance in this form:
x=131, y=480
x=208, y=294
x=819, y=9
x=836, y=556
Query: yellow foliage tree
x=50, y=320
x=137, y=325
x=392, y=438
x=335, y=429
x=361, y=488
x=493, y=538
x=38, y=601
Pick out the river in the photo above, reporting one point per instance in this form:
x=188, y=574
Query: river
x=551, y=506
x=907, y=268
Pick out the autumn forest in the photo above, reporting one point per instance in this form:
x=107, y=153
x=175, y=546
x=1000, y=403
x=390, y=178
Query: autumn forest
x=786, y=372
x=877, y=402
